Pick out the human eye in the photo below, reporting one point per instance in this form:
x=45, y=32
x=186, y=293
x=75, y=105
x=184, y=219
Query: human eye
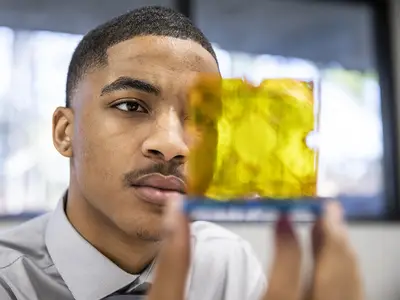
x=131, y=106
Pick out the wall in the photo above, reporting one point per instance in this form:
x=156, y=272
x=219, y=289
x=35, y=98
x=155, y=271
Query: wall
x=72, y=16
x=377, y=246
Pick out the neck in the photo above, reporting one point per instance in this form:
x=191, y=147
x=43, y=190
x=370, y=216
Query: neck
x=130, y=254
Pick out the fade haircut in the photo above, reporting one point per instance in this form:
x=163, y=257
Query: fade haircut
x=91, y=51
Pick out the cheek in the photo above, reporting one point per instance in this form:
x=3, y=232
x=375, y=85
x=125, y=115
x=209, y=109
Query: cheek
x=89, y=156
x=105, y=149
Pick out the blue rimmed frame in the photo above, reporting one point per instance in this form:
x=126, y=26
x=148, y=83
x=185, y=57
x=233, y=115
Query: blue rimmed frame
x=253, y=210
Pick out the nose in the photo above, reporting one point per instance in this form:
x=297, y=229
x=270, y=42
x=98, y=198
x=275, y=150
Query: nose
x=166, y=140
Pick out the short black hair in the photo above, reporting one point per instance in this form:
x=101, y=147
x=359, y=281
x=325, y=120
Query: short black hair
x=91, y=51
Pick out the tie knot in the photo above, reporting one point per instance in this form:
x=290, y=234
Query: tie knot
x=139, y=292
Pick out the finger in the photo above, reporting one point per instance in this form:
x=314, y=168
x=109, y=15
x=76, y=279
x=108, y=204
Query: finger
x=333, y=228
x=336, y=274
x=285, y=276
x=336, y=240
x=317, y=237
x=317, y=243
x=174, y=258
x=327, y=232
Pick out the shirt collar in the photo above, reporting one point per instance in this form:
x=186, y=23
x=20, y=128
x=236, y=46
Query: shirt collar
x=88, y=274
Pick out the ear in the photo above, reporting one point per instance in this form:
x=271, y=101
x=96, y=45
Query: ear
x=63, y=118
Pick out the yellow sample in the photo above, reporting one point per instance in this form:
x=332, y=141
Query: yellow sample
x=251, y=140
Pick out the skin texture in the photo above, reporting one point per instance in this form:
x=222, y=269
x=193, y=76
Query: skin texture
x=111, y=142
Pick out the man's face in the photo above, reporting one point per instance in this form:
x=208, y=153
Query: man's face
x=128, y=142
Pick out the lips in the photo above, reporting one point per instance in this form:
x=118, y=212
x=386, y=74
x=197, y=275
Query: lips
x=158, y=181
x=158, y=189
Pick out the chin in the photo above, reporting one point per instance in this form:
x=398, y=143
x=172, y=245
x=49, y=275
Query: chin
x=149, y=236
x=146, y=226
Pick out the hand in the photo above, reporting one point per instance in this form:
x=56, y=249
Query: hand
x=335, y=276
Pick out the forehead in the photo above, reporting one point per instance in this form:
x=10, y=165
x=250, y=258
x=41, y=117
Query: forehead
x=154, y=57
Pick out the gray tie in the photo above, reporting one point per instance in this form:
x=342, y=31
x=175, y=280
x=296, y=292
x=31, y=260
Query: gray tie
x=138, y=294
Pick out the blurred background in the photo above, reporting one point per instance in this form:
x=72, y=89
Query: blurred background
x=350, y=46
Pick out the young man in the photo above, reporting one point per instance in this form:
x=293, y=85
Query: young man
x=122, y=129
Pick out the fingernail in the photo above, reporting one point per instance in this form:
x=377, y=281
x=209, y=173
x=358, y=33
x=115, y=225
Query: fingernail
x=334, y=211
x=171, y=218
x=283, y=226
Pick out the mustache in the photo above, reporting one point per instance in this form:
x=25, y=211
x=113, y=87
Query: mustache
x=165, y=169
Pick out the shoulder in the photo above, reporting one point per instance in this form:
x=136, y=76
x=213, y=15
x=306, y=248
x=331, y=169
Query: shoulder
x=202, y=231
x=25, y=263
x=24, y=241
x=224, y=251
x=208, y=236
x=217, y=243
x=220, y=252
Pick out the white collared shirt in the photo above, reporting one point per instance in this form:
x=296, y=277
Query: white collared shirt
x=47, y=259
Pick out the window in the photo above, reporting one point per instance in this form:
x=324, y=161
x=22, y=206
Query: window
x=33, y=175
x=333, y=43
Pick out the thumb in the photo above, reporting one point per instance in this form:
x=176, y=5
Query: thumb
x=174, y=258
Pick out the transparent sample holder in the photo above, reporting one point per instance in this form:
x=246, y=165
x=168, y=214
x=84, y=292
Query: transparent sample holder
x=251, y=154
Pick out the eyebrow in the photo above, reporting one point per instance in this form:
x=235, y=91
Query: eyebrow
x=129, y=83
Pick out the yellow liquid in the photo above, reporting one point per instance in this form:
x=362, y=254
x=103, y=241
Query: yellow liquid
x=248, y=140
